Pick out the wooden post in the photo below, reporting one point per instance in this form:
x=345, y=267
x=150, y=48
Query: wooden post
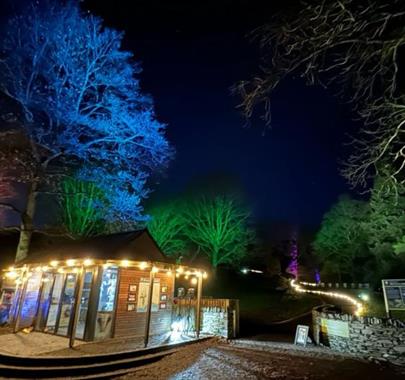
x=76, y=307
x=149, y=307
x=198, y=307
x=21, y=297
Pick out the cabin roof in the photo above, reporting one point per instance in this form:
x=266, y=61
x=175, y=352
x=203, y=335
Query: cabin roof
x=134, y=245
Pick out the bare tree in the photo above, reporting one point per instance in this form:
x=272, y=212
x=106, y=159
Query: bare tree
x=353, y=48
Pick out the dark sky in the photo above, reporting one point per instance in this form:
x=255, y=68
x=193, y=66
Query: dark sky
x=192, y=52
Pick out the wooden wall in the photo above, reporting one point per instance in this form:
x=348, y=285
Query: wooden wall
x=132, y=323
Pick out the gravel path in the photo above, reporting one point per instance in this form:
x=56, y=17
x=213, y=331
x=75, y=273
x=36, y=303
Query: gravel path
x=219, y=360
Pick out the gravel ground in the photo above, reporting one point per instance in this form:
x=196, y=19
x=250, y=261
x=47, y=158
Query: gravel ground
x=219, y=360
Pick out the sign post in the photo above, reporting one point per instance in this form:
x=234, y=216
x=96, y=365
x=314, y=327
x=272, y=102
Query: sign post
x=394, y=295
x=301, y=335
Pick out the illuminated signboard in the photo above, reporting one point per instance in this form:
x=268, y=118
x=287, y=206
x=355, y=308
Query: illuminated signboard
x=394, y=294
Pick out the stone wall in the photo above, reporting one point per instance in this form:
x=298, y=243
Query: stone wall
x=219, y=317
x=381, y=339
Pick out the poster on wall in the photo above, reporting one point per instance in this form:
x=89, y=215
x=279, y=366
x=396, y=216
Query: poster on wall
x=143, y=293
x=156, y=295
x=337, y=328
x=31, y=298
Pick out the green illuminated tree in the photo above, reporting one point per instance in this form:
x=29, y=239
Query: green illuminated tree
x=341, y=240
x=219, y=228
x=385, y=226
x=82, y=204
x=167, y=225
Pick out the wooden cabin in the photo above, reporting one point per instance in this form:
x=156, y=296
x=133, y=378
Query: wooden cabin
x=96, y=288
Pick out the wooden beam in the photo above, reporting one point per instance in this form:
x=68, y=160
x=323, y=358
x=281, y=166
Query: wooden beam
x=76, y=307
x=149, y=307
x=198, y=306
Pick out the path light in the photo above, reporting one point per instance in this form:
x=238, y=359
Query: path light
x=364, y=297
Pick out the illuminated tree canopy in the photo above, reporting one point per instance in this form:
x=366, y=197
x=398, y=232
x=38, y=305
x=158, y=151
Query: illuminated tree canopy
x=219, y=226
x=82, y=205
x=84, y=113
x=341, y=239
x=167, y=225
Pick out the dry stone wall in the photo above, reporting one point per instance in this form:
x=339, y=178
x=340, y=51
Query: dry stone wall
x=381, y=339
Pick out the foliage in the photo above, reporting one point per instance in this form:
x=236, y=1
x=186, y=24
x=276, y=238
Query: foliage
x=353, y=46
x=82, y=207
x=385, y=225
x=341, y=240
x=167, y=224
x=219, y=227
x=82, y=105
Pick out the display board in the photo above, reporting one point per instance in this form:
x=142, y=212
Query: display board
x=301, y=335
x=394, y=294
x=337, y=328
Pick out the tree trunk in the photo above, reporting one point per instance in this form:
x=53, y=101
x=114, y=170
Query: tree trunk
x=27, y=224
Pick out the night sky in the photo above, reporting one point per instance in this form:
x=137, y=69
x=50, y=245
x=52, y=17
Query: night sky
x=192, y=52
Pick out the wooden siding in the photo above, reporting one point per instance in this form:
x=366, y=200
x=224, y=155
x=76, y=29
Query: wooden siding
x=132, y=323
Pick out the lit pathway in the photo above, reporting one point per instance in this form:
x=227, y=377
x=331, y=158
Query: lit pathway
x=298, y=287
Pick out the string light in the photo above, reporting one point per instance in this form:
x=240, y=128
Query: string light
x=177, y=275
x=205, y=275
x=180, y=270
x=143, y=265
x=169, y=272
x=87, y=262
x=194, y=281
x=11, y=275
x=155, y=270
x=359, y=306
x=53, y=263
x=125, y=263
x=70, y=262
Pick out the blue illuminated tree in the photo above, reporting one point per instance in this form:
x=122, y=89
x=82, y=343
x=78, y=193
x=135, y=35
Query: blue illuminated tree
x=83, y=110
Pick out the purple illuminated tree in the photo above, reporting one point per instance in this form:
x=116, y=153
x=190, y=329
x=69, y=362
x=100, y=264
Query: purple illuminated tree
x=83, y=111
x=293, y=265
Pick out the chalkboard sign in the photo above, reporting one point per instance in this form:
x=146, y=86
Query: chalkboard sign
x=394, y=294
x=301, y=335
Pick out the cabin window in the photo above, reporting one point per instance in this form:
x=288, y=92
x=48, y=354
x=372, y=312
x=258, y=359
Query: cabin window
x=106, y=303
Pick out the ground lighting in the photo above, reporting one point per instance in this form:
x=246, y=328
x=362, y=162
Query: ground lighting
x=359, y=306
